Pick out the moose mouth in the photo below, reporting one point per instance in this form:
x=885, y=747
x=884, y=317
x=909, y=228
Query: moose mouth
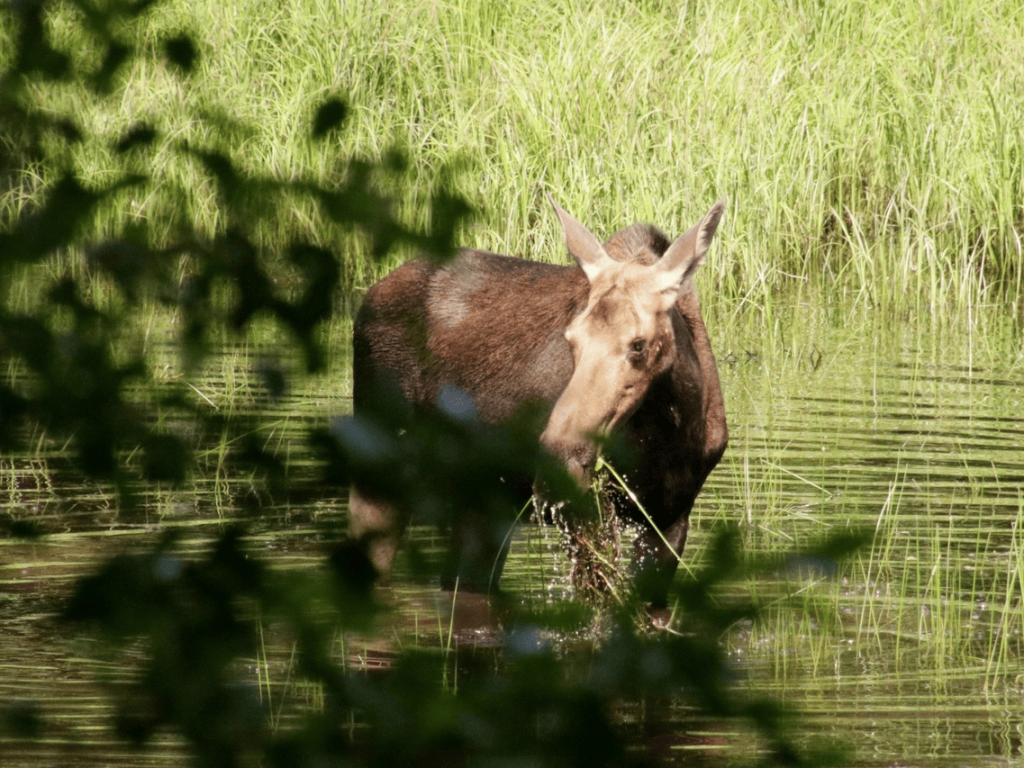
x=567, y=477
x=579, y=426
x=575, y=448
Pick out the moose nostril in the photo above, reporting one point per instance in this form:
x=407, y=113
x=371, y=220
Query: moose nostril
x=578, y=458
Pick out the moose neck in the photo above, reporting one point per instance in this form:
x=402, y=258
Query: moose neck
x=716, y=433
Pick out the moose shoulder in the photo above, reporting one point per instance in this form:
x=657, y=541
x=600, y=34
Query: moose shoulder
x=615, y=344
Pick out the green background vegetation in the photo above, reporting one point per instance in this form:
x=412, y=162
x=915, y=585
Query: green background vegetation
x=873, y=147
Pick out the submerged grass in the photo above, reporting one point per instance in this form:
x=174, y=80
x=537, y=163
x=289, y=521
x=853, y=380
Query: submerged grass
x=892, y=428
x=872, y=147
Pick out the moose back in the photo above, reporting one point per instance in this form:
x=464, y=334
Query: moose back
x=615, y=344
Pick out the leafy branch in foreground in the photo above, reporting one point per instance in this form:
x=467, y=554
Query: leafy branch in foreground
x=531, y=704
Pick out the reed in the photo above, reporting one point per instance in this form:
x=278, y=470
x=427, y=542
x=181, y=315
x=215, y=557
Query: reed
x=873, y=148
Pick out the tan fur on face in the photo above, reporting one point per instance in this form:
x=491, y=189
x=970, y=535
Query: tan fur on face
x=626, y=306
x=627, y=310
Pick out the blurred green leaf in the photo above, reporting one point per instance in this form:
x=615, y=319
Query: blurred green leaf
x=329, y=117
x=35, y=56
x=165, y=458
x=20, y=529
x=117, y=54
x=139, y=135
x=21, y=720
x=181, y=52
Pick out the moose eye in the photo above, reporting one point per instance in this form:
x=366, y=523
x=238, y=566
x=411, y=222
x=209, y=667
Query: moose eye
x=638, y=348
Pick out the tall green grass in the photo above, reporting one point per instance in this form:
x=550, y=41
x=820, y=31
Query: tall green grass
x=872, y=146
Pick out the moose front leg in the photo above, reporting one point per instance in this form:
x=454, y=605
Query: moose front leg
x=655, y=560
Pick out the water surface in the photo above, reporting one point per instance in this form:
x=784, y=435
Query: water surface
x=910, y=653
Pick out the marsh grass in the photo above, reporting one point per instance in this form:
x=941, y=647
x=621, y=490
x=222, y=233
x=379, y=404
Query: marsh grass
x=853, y=421
x=871, y=148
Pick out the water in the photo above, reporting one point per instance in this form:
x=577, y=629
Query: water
x=911, y=428
x=911, y=653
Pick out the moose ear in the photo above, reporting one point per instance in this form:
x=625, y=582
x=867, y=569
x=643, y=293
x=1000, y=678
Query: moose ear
x=587, y=249
x=688, y=251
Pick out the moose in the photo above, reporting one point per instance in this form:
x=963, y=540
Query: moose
x=616, y=345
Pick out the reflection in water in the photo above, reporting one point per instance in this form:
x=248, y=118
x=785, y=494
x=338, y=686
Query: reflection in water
x=911, y=653
x=913, y=432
